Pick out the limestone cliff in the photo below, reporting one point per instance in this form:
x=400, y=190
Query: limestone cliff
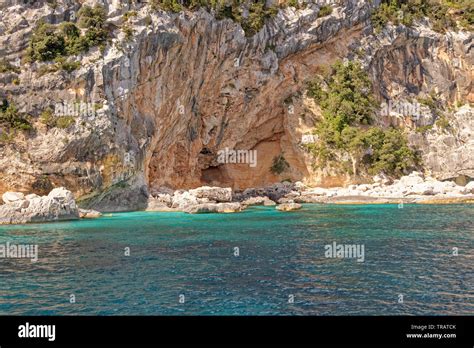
x=174, y=89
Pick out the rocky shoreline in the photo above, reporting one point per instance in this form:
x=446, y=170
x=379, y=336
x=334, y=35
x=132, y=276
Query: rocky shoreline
x=413, y=188
x=60, y=205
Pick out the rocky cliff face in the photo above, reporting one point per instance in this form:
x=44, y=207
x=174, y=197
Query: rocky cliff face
x=164, y=101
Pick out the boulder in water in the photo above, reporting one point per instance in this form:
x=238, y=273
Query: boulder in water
x=217, y=194
x=89, y=214
x=58, y=205
x=288, y=206
x=214, y=208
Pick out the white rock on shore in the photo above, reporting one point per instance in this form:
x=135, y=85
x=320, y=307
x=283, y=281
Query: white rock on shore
x=182, y=199
x=10, y=197
x=412, y=179
x=470, y=187
x=414, y=186
x=288, y=206
x=259, y=200
x=89, y=214
x=203, y=199
x=214, y=208
x=217, y=194
x=58, y=205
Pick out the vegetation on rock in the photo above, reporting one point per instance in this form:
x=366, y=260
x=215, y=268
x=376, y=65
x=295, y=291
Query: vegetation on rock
x=258, y=14
x=443, y=123
x=325, y=10
x=432, y=101
x=48, y=118
x=6, y=66
x=279, y=165
x=46, y=43
x=127, y=29
x=348, y=107
x=251, y=14
x=166, y=5
x=50, y=42
x=443, y=14
x=11, y=118
x=42, y=185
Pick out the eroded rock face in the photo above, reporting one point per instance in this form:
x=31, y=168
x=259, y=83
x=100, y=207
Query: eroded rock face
x=447, y=153
x=408, y=64
x=188, y=86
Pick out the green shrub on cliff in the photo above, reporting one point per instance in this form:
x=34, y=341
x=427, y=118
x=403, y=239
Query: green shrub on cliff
x=129, y=14
x=42, y=185
x=166, y=5
x=463, y=11
x=325, y=10
x=6, y=66
x=348, y=99
x=64, y=122
x=48, y=118
x=387, y=151
x=279, y=165
x=69, y=30
x=46, y=43
x=94, y=20
x=128, y=31
x=348, y=107
x=91, y=17
x=49, y=42
x=315, y=90
x=11, y=118
x=7, y=136
x=443, y=123
x=67, y=65
x=256, y=11
x=443, y=14
x=257, y=15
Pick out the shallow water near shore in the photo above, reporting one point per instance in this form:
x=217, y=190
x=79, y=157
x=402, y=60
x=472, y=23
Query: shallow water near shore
x=407, y=252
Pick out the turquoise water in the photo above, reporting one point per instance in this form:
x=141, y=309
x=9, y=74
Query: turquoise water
x=408, y=252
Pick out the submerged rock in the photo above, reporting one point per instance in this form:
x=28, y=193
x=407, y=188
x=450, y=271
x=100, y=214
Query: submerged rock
x=58, y=205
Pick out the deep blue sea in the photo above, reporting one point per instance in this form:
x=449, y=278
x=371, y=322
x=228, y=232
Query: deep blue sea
x=281, y=267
